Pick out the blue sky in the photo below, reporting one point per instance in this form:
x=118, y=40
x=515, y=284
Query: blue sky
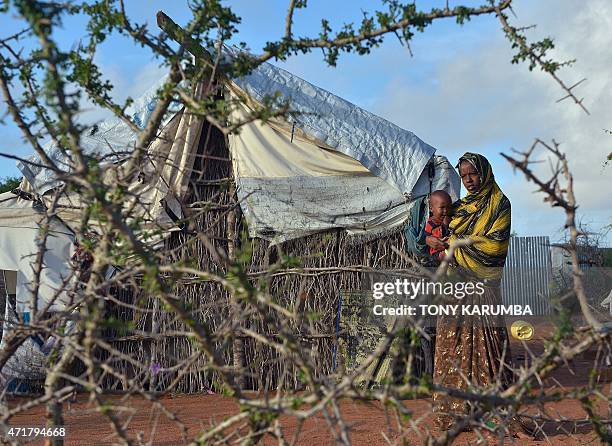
x=458, y=92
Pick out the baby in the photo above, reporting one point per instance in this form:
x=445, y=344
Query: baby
x=437, y=224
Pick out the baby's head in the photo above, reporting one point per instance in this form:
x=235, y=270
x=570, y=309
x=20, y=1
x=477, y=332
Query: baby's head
x=439, y=205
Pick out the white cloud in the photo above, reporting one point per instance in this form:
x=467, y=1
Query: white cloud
x=124, y=86
x=144, y=79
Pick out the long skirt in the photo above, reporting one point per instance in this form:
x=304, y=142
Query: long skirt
x=469, y=353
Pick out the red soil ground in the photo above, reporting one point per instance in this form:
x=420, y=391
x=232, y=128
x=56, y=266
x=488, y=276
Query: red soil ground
x=368, y=420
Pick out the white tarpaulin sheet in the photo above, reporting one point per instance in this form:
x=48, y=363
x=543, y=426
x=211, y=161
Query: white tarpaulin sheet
x=290, y=187
x=164, y=173
x=386, y=150
x=111, y=139
x=330, y=165
x=20, y=224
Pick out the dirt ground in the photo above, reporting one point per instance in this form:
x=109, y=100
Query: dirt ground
x=369, y=421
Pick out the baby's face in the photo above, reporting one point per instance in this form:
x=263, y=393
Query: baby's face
x=440, y=208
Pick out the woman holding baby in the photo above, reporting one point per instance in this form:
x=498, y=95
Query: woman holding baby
x=470, y=350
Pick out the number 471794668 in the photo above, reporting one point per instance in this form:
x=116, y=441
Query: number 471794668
x=36, y=432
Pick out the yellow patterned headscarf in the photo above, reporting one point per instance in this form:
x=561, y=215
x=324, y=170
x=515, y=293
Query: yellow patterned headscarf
x=483, y=217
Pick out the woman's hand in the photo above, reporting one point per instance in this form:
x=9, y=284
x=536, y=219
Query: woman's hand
x=436, y=243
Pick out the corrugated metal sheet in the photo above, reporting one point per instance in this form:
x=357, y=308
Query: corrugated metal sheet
x=528, y=273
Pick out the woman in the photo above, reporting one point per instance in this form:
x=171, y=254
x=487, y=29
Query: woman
x=474, y=349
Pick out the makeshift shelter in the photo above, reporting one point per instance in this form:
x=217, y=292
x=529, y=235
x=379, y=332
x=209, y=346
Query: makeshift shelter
x=331, y=178
x=23, y=227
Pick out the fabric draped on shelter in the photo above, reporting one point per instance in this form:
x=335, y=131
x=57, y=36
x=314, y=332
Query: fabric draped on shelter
x=166, y=170
x=20, y=237
x=163, y=180
x=111, y=140
x=484, y=218
x=328, y=164
x=392, y=153
x=289, y=185
x=161, y=184
x=414, y=230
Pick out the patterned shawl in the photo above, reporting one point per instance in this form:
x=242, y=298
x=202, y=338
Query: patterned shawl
x=483, y=217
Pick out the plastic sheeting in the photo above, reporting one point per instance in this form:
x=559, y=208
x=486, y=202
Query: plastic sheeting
x=112, y=140
x=20, y=223
x=396, y=155
x=332, y=164
x=289, y=187
x=386, y=150
x=162, y=182
x=20, y=242
x=29, y=360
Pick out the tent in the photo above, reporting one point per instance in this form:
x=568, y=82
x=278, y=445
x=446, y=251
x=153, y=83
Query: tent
x=329, y=166
x=21, y=237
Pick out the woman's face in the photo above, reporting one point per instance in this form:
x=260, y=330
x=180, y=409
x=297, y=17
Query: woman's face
x=469, y=177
